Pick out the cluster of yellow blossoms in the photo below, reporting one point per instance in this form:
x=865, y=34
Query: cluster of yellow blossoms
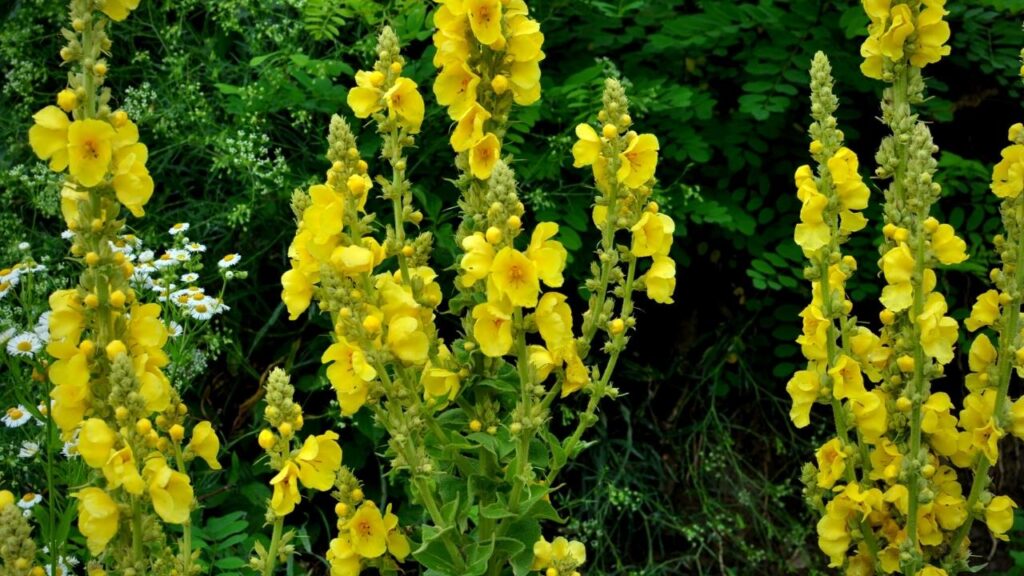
x=489, y=53
x=109, y=388
x=887, y=483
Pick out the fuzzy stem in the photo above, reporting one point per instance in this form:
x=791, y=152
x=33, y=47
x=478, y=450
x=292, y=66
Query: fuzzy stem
x=275, y=542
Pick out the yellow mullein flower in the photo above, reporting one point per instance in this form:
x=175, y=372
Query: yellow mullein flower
x=812, y=233
x=803, y=388
x=931, y=571
x=169, y=490
x=948, y=248
x=869, y=414
x=548, y=255
x=349, y=374
x=484, y=19
x=514, y=276
x=981, y=356
x=49, y=137
x=525, y=38
x=938, y=331
x=901, y=25
x=319, y=460
x=558, y=553
x=6, y=499
x=405, y=103
x=343, y=559
x=89, y=150
x=484, y=155
x=95, y=441
x=554, y=321
x=352, y=260
x=831, y=463
x=660, y=280
x=587, y=149
x=541, y=361
x=98, y=517
x=853, y=193
x=1008, y=175
x=871, y=51
x=470, y=128
x=476, y=263
x=121, y=471
x=939, y=424
x=455, y=88
x=999, y=516
x=132, y=183
x=286, y=489
x=897, y=266
x=205, y=444
x=652, y=234
x=70, y=394
x=885, y=460
x=639, y=161
x=398, y=545
x=834, y=538
x=367, y=97
x=932, y=35
x=297, y=291
x=492, y=328
x=984, y=312
x=118, y=10
x=576, y=374
x=439, y=382
x=525, y=78
x=847, y=379
x=367, y=531
x=407, y=341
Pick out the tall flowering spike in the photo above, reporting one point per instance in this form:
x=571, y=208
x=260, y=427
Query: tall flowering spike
x=902, y=33
x=109, y=385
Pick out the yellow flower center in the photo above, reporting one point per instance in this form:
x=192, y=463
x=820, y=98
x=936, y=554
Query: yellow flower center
x=484, y=14
x=201, y=308
x=91, y=148
x=25, y=346
x=28, y=497
x=364, y=528
x=14, y=413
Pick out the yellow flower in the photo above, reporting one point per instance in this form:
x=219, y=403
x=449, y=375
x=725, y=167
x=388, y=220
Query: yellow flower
x=6, y=499
x=118, y=10
x=514, y=276
x=319, y=460
x=931, y=571
x=871, y=51
x=834, y=538
x=95, y=441
x=352, y=260
x=554, y=321
x=831, y=463
x=483, y=156
x=169, y=490
x=367, y=97
x=999, y=516
x=49, y=137
x=932, y=35
x=89, y=150
x=938, y=332
x=132, y=183
x=898, y=266
x=70, y=394
x=981, y=356
x=470, y=128
x=543, y=362
x=652, y=234
x=901, y=25
x=660, y=280
x=342, y=558
x=547, y=255
x=558, y=553
x=948, y=248
x=349, y=374
x=492, y=328
x=484, y=19
x=525, y=38
x=869, y=414
x=939, y=424
x=812, y=233
x=639, y=161
x=439, y=382
x=853, y=193
x=286, y=489
x=847, y=380
x=398, y=545
x=1008, y=174
x=984, y=312
x=407, y=341
x=121, y=471
x=525, y=79
x=476, y=263
x=367, y=531
x=576, y=374
x=97, y=518
x=205, y=444
x=803, y=388
x=587, y=149
x=455, y=87
x=297, y=292
x=406, y=104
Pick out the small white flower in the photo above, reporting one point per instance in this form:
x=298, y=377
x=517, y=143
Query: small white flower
x=146, y=256
x=174, y=329
x=229, y=261
x=179, y=255
x=203, y=309
x=71, y=561
x=24, y=344
x=28, y=449
x=9, y=278
x=70, y=449
x=195, y=247
x=63, y=568
x=6, y=335
x=42, y=328
x=178, y=228
x=166, y=260
x=67, y=235
x=36, y=268
x=16, y=417
x=24, y=246
x=190, y=277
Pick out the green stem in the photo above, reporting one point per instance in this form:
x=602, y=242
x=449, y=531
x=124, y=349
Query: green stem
x=526, y=411
x=186, y=539
x=275, y=542
x=138, y=557
x=51, y=497
x=397, y=203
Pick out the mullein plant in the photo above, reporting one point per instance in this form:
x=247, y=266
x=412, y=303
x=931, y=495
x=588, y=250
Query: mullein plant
x=468, y=420
x=109, y=392
x=888, y=484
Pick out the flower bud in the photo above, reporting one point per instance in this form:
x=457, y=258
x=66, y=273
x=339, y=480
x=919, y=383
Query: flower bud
x=265, y=439
x=493, y=235
x=115, y=349
x=143, y=426
x=499, y=84
x=67, y=100
x=475, y=425
x=177, y=432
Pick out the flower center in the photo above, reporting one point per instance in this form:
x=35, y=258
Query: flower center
x=25, y=346
x=91, y=149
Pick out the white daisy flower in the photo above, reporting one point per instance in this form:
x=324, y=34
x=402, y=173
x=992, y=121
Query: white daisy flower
x=67, y=235
x=24, y=246
x=9, y=278
x=121, y=246
x=190, y=277
x=146, y=256
x=36, y=268
x=70, y=449
x=178, y=228
x=42, y=328
x=29, y=500
x=195, y=247
x=174, y=329
x=202, y=309
x=24, y=344
x=220, y=307
x=180, y=255
x=6, y=335
x=16, y=417
x=166, y=260
x=62, y=568
x=229, y=261
x=71, y=561
x=28, y=449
